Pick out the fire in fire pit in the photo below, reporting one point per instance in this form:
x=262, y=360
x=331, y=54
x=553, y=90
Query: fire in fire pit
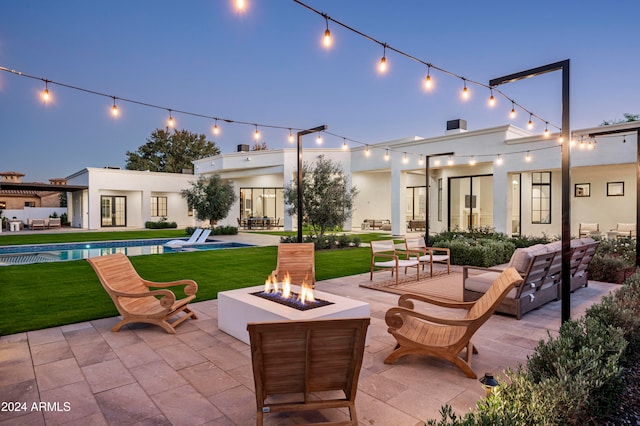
x=281, y=293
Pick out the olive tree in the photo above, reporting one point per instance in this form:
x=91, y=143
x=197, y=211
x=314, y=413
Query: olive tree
x=328, y=196
x=210, y=197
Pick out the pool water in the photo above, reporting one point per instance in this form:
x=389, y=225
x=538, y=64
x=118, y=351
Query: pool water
x=41, y=253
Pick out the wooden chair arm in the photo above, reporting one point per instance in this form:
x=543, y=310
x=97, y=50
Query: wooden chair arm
x=390, y=256
x=465, y=270
x=405, y=301
x=393, y=318
x=191, y=287
x=435, y=249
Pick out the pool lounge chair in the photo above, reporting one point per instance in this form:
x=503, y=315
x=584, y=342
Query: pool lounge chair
x=191, y=240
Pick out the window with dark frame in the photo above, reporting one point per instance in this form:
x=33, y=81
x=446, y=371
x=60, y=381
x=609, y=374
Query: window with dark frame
x=158, y=206
x=440, y=200
x=541, y=197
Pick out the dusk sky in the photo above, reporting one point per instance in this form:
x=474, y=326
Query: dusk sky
x=267, y=66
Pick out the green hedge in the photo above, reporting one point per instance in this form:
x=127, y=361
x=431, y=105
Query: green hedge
x=161, y=224
x=574, y=378
x=326, y=242
x=483, y=252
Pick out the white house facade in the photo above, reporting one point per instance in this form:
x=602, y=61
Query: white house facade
x=502, y=177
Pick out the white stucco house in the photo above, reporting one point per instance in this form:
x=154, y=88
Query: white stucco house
x=502, y=177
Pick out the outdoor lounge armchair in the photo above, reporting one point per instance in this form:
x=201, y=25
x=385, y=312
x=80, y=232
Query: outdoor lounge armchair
x=427, y=255
x=134, y=298
x=54, y=222
x=384, y=256
x=588, y=229
x=192, y=239
x=37, y=224
x=625, y=230
x=297, y=260
x=425, y=334
x=307, y=362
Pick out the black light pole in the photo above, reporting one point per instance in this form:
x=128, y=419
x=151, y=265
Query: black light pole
x=566, y=170
x=426, y=168
x=300, y=135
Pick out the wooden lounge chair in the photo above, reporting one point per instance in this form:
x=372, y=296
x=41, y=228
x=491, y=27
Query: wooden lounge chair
x=427, y=255
x=386, y=249
x=625, y=230
x=134, y=299
x=424, y=334
x=298, y=260
x=301, y=360
x=588, y=229
x=37, y=224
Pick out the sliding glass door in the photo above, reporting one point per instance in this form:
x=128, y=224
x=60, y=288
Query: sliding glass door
x=113, y=210
x=470, y=202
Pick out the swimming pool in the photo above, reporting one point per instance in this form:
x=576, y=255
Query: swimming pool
x=41, y=253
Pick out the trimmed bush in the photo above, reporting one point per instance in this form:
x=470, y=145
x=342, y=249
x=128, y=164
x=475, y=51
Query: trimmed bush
x=224, y=230
x=161, y=224
x=327, y=242
x=482, y=252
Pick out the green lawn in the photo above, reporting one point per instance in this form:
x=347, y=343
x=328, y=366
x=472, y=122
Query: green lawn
x=51, y=294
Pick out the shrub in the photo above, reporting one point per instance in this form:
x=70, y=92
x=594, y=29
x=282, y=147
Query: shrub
x=481, y=252
x=607, y=268
x=225, y=230
x=326, y=242
x=161, y=224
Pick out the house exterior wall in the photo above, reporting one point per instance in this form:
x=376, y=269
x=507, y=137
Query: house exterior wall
x=137, y=187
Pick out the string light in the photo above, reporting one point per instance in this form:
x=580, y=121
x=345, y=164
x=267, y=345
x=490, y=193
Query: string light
x=530, y=123
x=256, y=134
x=216, y=129
x=527, y=157
x=290, y=136
x=170, y=123
x=326, y=40
x=344, y=144
x=499, y=160
x=472, y=160
x=45, y=92
x=405, y=159
x=114, y=108
x=420, y=160
x=319, y=139
x=386, y=155
x=546, y=129
x=366, y=151
x=428, y=82
x=241, y=5
x=382, y=67
x=492, y=100
x=436, y=162
x=450, y=161
x=513, y=110
x=465, y=90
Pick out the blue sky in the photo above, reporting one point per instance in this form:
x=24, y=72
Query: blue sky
x=268, y=66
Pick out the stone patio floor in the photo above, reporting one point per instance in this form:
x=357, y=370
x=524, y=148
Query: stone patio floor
x=84, y=374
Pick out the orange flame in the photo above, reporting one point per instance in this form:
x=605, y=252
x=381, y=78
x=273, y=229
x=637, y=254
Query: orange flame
x=306, y=293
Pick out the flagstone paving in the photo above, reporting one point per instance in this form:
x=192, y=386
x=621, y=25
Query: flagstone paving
x=85, y=374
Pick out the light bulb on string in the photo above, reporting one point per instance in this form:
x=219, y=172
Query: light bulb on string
x=326, y=40
x=366, y=151
x=45, y=93
x=527, y=157
x=492, y=99
x=386, y=155
x=530, y=123
x=256, y=134
x=319, y=139
x=428, y=82
x=420, y=160
x=405, y=159
x=546, y=129
x=216, y=129
x=472, y=160
x=170, y=123
x=499, y=160
x=382, y=66
x=436, y=162
x=513, y=110
x=465, y=90
x=290, y=136
x=114, y=108
x=450, y=161
x=344, y=144
x=240, y=5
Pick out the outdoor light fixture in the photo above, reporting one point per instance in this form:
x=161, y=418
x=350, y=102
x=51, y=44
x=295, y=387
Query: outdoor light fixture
x=327, y=34
x=114, y=108
x=527, y=157
x=420, y=160
x=256, y=134
x=530, y=123
x=465, y=90
x=319, y=139
x=45, y=92
x=216, y=129
x=513, y=110
x=241, y=5
x=492, y=99
x=546, y=129
x=290, y=136
x=170, y=122
x=489, y=384
x=450, y=161
x=386, y=155
x=428, y=82
x=405, y=159
x=499, y=160
x=382, y=67
x=366, y=151
x=344, y=144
